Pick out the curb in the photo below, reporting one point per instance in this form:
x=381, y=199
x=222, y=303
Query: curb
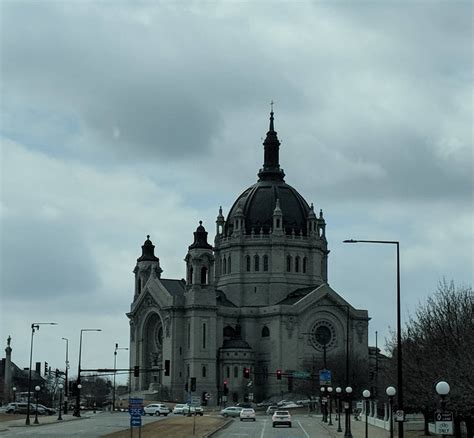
x=46, y=423
x=219, y=428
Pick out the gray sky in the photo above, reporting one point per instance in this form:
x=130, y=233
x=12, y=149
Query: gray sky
x=122, y=119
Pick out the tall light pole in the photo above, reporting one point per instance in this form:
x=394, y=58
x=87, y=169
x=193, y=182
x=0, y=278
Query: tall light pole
x=77, y=412
x=115, y=372
x=60, y=387
x=366, y=395
x=391, y=391
x=66, y=393
x=399, y=330
x=34, y=326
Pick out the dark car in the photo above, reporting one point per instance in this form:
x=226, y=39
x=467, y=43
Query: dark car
x=48, y=411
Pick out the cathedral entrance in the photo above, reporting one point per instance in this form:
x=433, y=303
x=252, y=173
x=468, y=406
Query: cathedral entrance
x=153, y=353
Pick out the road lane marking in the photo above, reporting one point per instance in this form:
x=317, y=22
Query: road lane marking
x=302, y=428
x=263, y=430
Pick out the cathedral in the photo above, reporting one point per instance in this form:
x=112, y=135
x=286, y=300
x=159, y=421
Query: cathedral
x=255, y=313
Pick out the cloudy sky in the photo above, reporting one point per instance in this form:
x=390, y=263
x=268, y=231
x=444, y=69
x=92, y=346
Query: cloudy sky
x=122, y=119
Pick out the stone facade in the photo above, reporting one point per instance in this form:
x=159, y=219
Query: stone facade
x=258, y=298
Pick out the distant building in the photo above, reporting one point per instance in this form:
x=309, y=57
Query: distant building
x=258, y=299
x=11, y=376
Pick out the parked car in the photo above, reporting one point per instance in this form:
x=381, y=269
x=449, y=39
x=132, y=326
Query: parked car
x=157, y=409
x=22, y=408
x=179, y=407
x=281, y=417
x=49, y=411
x=247, y=414
x=289, y=405
x=231, y=411
x=196, y=410
x=246, y=405
x=271, y=410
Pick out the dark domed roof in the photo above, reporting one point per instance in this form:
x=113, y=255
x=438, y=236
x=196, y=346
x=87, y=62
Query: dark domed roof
x=236, y=343
x=148, y=252
x=258, y=203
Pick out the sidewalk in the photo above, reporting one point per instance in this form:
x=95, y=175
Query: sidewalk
x=49, y=419
x=357, y=429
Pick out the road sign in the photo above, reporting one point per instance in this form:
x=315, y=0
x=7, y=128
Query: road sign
x=324, y=377
x=301, y=374
x=208, y=396
x=136, y=421
x=251, y=396
x=444, y=423
x=195, y=401
x=399, y=415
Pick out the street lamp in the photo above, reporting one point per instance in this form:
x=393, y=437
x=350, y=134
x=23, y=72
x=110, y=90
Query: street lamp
x=115, y=372
x=442, y=388
x=14, y=393
x=347, y=408
x=391, y=391
x=323, y=404
x=37, y=389
x=77, y=412
x=34, y=326
x=338, y=398
x=66, y=389
x=60, y=386
x=330, y=405
x=366, y=395
x=399, y=330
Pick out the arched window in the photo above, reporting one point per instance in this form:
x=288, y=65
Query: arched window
x=227, y=372
x=256, y=261
x=265, y=332
x=304, y=264
x=139, y=286
x=225, y=265
x=229, y=265
x=265, y=263
x=204, y=335
x=288, y=263
x=204, y=371
x=248, y=263
x=204, y=275
x=190, y=279
x=297, y=264
x=236, y=372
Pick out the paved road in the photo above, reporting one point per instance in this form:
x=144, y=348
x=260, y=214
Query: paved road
x=302, y=427
x=93, y=426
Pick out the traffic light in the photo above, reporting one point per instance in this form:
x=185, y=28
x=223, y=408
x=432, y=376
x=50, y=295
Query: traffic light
x=167, y=367
x=278, y=374
x=193, y=384
x=246, y=373
x=136, y=371
x=226, y=390
x=45, y=368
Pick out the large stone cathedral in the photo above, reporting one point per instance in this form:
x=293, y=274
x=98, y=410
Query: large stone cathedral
x=256, y=310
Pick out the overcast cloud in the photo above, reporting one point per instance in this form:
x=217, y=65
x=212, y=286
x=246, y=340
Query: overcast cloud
x=120, y=120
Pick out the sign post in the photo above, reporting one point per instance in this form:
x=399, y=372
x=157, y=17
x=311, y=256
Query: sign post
x=135, y=409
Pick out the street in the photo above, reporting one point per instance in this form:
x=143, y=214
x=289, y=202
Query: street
x=93, y=426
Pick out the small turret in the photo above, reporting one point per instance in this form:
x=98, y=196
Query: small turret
x=321, y=225
x=239, y=221
x=200, y=259
x=277, y=219
x=220, y=222
x=312, y=222
x=147, y=264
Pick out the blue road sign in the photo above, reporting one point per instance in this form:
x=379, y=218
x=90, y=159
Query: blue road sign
x=135, y=420
x=325, y=377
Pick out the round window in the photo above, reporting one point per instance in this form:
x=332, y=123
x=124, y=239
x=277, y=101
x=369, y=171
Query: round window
x=322, y=335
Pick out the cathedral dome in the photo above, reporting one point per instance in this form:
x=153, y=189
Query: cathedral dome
x=258, y=202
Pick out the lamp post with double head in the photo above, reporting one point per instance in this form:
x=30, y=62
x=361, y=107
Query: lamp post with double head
x=391, y=391
x=77, y=412
x=115, y=372
x=34, y=327
x=347, y=408
x=399, y=329
x=66, y=389
x=338, y=398
x=60, y=387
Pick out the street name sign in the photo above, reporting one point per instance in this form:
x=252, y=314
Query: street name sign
x=301, y=374
x=444, y=423
x=195, y=401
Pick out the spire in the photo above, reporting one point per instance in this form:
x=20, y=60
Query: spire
x=148, y=251
x=271, y=164
x=200, y=238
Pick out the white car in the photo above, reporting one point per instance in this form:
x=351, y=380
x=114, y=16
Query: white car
x=281, y=417
x=247, y=414
x=157, y=409
x=196, y=410
x=179, y=408
x=231, y=411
